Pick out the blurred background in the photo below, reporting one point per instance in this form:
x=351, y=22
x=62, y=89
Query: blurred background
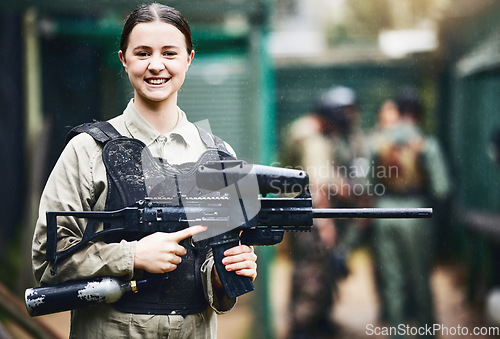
x=259, y=65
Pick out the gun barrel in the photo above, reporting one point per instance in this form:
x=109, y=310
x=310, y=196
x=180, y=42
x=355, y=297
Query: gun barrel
x=375, y=213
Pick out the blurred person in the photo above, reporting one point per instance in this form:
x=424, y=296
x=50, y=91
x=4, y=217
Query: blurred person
x=492, y=298
x=320, y=142
x=350, y=161
x=387, y=119
x=412, y=170
x=156, y=51
x=494, y=147
x=388, y=115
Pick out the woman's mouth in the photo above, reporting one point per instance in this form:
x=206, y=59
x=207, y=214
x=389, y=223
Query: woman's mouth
x=157, y=81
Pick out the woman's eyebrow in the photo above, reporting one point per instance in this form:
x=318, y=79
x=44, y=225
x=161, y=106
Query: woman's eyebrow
x=141, y=47
x=170, y=47
x=163, y=47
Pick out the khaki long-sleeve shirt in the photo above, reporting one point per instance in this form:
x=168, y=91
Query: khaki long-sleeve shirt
x=78, y=183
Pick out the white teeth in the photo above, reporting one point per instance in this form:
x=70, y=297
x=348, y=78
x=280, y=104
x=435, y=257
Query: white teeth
x=156, y=81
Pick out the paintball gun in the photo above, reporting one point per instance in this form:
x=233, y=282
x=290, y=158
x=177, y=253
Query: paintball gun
x=243, y=212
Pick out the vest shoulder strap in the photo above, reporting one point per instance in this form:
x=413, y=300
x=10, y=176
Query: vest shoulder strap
x=101, y=131
x=211, y=140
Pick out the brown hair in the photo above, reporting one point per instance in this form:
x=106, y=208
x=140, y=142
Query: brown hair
x=156, y=12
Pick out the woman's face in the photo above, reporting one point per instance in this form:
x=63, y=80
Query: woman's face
x=156, y=61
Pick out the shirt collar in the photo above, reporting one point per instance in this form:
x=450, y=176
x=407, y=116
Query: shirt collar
x=141, y=129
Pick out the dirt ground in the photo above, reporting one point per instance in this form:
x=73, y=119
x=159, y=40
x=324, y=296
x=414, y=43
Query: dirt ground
x=356, y=305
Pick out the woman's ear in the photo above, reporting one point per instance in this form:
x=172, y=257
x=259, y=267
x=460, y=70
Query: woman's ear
x=122, y=59
x=190, y=58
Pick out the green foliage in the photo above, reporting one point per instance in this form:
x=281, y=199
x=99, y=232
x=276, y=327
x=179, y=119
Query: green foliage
x=362, y=22
x=364, y=19
x=10, y=268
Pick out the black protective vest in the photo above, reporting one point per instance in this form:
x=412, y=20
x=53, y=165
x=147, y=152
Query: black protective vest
x=132, y=175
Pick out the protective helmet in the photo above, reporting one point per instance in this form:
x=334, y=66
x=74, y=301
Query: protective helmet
x=337, y=97
x=334, y=104
x=409, y=102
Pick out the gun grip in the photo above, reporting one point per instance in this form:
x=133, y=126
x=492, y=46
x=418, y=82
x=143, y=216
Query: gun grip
x=234, y=285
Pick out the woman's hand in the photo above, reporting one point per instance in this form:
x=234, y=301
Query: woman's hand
x=242, y=260
x=160, y=252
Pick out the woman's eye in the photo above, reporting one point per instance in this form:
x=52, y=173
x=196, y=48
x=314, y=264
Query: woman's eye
x=170, y=54
x=142, y=54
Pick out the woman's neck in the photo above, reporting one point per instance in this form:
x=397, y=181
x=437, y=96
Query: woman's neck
x=163, y=116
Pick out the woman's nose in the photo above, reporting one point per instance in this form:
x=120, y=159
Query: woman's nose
x=156, y=64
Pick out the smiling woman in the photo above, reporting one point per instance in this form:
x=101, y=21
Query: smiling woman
x=156, y=62
x=101, y=169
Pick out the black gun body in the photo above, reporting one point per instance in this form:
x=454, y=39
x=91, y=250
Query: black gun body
x=284, y=214
x=225, y=229
x=276, y=216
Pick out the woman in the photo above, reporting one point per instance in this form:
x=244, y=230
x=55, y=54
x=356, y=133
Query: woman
x=156, y=51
